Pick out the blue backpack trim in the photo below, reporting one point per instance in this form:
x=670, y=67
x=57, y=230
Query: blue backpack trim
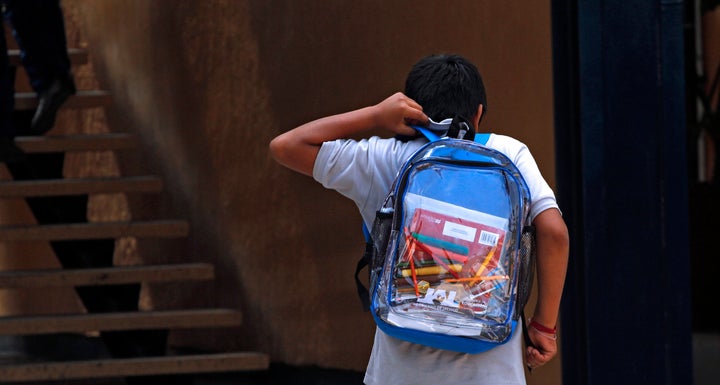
x=445, y=342
x=432, y=136
x=482, y=138
x=457, y=344
x=438, y=341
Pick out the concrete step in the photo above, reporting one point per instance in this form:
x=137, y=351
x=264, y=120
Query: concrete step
x=78, y=56
x=95, y=230
x=106, y=276
x=74, y=143
x=82, y=99
x=130, y=367
x=139, y=320
x=80, y=186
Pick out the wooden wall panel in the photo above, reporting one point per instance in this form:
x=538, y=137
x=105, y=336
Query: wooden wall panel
x=206, y=85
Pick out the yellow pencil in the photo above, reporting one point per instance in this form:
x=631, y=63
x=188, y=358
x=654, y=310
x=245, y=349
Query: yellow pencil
x=431, y=270
x=486, y=261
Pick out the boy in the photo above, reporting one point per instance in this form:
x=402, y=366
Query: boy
x=437, y=87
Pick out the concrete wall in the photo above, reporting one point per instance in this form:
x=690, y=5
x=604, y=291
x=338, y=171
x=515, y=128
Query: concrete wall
x=207, y=84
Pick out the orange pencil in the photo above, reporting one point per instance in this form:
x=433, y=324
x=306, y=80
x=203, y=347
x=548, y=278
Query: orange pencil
x=414, y=277
x=411, y=254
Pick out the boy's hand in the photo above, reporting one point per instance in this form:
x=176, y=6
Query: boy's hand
x=298, y=148
x=544, y=349
x=398, y=112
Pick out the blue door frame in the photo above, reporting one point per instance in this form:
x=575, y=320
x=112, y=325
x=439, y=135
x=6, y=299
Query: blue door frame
x=619, y=78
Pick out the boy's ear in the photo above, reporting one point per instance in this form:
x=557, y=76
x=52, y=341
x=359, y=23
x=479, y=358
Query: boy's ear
x=478, y=116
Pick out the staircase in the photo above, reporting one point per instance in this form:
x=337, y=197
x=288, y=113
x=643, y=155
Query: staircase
x=124, y=342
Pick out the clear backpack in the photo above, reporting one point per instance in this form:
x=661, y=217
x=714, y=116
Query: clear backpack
x=450, y=254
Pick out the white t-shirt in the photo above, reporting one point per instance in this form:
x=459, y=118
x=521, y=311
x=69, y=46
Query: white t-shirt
x=364, y=171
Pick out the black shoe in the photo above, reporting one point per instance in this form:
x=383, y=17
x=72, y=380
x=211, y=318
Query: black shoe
x=9, y=152
x=48, y=104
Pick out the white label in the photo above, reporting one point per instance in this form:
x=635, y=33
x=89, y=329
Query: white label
x=488, y=238
x=459, y=231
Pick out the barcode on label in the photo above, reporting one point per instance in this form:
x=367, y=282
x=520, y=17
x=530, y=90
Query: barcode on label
x=488, y=238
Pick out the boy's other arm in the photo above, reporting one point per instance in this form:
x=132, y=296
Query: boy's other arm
x=553, y=247
x=297, y=149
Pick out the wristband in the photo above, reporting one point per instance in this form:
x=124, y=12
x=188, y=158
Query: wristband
x=542, y=328
x=546, y=335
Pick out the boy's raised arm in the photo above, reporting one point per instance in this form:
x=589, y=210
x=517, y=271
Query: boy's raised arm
x=298, y=148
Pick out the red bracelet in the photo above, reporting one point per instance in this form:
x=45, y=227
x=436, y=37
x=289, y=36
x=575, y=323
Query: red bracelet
x=542, y=328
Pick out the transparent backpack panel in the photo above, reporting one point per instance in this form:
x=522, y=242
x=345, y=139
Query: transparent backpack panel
x=452, y=264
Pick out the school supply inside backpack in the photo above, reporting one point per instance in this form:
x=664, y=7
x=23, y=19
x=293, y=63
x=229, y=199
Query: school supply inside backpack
x=450, y=251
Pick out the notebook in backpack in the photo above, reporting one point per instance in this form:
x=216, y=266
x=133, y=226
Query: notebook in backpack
x=450, y=255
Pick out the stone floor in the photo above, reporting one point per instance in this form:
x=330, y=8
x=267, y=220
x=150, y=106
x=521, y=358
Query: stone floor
x=14, y=349
x=284, y=375
x=706, y=357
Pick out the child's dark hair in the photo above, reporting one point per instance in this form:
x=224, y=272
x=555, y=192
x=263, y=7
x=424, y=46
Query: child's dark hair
x=446, y=85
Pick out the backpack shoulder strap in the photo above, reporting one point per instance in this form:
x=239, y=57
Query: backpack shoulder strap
x=482, y=138
x=431, y=136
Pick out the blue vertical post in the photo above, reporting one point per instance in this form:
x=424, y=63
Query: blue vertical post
x=622, y=183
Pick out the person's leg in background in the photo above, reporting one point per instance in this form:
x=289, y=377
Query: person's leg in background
x=8, y=151
x=38, y=27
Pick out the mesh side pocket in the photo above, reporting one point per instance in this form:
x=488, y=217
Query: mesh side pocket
x=527, y=268
x=373, y=255
x=380, y=234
